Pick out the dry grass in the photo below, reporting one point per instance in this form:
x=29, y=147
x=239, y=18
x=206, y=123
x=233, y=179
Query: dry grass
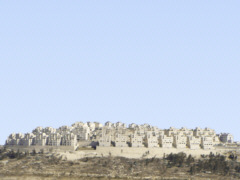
x=49, y=166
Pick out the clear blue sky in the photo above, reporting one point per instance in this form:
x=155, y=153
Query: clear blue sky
x=166, y=63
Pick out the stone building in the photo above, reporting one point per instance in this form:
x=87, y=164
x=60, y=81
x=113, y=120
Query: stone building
x=118, y=135
x=27, y=140
x=37, y=130
x=82, y=133
x=105, y=140
x=91, y=126
x=98, y=125
x=151, y=141
x=48, y=130
x=203, y=132
x=14, y=139
x=185, y=132
x=121, y=140
x=207, y=142
x=166, y=141
x=193, y=142
x=54, y=139
x=69, y=140
x=108, y=124
x=216, y=140
x=133, y=126
x=171, y=131
x=40, y=139
x=226, y=138
x=136, y=140
x=180, y=141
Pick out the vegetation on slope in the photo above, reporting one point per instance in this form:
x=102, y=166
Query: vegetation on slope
x=173, y=165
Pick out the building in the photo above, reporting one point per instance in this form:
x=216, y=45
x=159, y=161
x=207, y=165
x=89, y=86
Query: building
x=180, y=141
x=171, y=131
x=166, y=141
x=121, y=140
x=207, y=142
x=151, y=141
x=54, y=139
x=226, y=138
x=118, y=135
x=69, y=140
x=105, y=140
x=193, y=142
x=136, y=140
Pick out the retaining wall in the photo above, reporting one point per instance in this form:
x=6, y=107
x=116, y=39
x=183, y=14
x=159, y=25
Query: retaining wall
x=139, y=152
x=39, y=148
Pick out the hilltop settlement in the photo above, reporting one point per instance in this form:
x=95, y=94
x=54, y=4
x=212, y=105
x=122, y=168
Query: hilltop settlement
x=92, y=150
x=118, y=135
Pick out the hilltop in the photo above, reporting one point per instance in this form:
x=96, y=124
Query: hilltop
x=118, y=134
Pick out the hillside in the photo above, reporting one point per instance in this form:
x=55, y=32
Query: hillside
x=17, y=165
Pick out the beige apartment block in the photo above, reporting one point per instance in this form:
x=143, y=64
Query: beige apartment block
x=48, y=130
x=120, y=125
x=105, y=140
x=108, y=124
x=193, y=142
x=14, y=139
x=185, y=132
x=40, y=139
x=98, y=125
x=203, y=132
x=119, y=135
x=171, y=131
x=64, y=130
x=133, y=126
x=151, y=141
x=159, y=133
x=166, y=141
x=136, y=140
x=207, y=142
x=198, y=132
x=28, y=140
x=54, y=139
x=216, y=140
x=78, y=124
x=209, y=132
x=91, y=126
x=37, y=130
x=69, y=140
x=121, y=140
x=82, y=132
x=180, y=142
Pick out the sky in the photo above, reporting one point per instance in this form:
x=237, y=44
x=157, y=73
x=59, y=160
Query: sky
x=166, y=63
